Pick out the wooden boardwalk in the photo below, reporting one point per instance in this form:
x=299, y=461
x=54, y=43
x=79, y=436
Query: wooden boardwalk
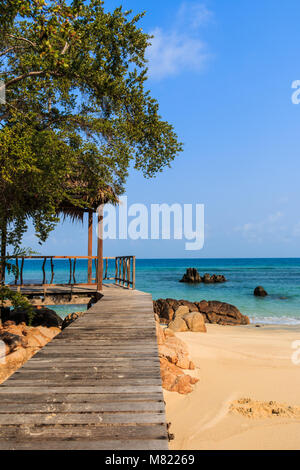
x=95, y=386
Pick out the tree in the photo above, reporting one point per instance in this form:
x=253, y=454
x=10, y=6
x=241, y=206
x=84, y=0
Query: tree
x=77, y=108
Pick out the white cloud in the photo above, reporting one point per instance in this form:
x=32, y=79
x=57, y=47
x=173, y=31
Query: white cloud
x=257, y=231
x=193, y=14
x=180, y=48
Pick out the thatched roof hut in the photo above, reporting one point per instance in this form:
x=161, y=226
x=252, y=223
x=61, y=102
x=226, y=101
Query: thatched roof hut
x=90, y=200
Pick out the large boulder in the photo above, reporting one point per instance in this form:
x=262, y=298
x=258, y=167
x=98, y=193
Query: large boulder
x=164, y=310
x=41, y=317
x=181, y=311
x=222, y=313
x=195, y=322
x=260, y=292
x=178, y=325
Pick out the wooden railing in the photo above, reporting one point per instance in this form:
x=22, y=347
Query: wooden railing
x=122, y=271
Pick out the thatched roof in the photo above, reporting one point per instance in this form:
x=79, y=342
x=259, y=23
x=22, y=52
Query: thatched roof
x=89, y=199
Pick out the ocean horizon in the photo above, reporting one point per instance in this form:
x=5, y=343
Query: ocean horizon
x=160, y=277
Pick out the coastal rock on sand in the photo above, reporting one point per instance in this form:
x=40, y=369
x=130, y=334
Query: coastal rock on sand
x=213, y=311
x=192, y=276
x=21, y=343
x=222, y=313
x=174, y=379
x=193, y=321
x=174, y=357
x=260, y=292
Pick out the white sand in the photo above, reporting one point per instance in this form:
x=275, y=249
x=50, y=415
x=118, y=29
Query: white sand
x=234, y=363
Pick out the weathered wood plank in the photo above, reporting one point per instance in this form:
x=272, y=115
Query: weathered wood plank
x=33, y=396
x=82, y=418
x=144, y=407
x=87, y=445
x=82, y=432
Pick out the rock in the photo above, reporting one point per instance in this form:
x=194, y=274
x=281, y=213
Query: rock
x=176, y=352
x=191, y=276
x=96, y=297
x=222, y=313
x=22, y=342
x=42, y=317
x=71, y=318
x=260, y=292
x=213, y=312
x=174, y=357
x=160, y=334
x=181, y=311
x=4, y=314
x=12, y=341
x=195, y=322
x=163, y=309
x=174, y=379
x=192, y=307
x=169, y=332
x=207, y=279
x=178, y=325
x=214, y=279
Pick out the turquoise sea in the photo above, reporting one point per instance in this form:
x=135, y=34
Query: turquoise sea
x=160, y=277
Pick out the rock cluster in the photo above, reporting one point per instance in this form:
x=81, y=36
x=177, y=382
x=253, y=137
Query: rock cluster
x=23, y=335
x=174, y=359
x=192, y=276
x=213, y=312
x=21, y=342
x=42, y=316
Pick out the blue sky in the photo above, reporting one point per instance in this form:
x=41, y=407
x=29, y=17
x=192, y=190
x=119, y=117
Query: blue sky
x=222, y=72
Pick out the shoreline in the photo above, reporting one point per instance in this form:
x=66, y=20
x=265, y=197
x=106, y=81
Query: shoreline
x=238, y=363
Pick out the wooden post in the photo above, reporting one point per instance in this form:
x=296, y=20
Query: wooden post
x=90, y=247
x=3, y=251
x=100, y=249
x=133, y=272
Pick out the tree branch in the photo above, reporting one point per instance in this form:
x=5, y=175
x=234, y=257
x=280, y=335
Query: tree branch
x=29, y=74
x=22, y=39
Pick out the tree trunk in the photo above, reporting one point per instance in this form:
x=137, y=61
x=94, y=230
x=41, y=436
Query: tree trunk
x=3, y=250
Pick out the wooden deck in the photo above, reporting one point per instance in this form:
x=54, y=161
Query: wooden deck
x=95, y=386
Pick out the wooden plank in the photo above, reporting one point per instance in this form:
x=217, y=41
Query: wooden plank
x=69, y=382
x=82, y=432
x=143, y=406
x=113, y=389
x=82, y=418
x=87, y=445
x=33, y=396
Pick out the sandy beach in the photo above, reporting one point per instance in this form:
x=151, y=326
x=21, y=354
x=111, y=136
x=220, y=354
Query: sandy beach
x=247, y=364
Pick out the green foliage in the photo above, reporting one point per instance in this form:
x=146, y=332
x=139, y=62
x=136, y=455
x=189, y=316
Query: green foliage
x=17, y=300
x=77, y=109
